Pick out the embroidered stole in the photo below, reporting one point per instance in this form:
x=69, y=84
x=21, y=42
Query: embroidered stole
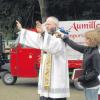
x=47, y=71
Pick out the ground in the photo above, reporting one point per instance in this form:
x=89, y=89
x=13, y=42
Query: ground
x=26, y=89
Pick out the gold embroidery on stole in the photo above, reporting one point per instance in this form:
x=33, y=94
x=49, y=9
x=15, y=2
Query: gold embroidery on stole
x=47, y=71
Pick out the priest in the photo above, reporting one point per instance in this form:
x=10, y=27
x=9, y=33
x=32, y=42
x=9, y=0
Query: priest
x=53, y=74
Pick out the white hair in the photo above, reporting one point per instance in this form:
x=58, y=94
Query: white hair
x=53, y=19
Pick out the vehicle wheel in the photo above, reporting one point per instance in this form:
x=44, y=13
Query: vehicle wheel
x=8, y=79
x=78, y=85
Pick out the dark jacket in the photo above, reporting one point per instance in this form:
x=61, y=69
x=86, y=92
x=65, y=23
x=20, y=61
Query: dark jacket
x=91, y=63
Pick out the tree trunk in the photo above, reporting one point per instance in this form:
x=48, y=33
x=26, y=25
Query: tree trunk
x=43, y=9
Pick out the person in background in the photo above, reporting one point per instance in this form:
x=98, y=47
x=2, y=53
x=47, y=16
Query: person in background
x=91, y=63
x=53, y=74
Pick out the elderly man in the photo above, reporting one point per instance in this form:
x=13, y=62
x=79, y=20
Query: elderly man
x=53, y=74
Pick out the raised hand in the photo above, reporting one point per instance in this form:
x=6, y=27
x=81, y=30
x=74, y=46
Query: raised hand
x=18, y=25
